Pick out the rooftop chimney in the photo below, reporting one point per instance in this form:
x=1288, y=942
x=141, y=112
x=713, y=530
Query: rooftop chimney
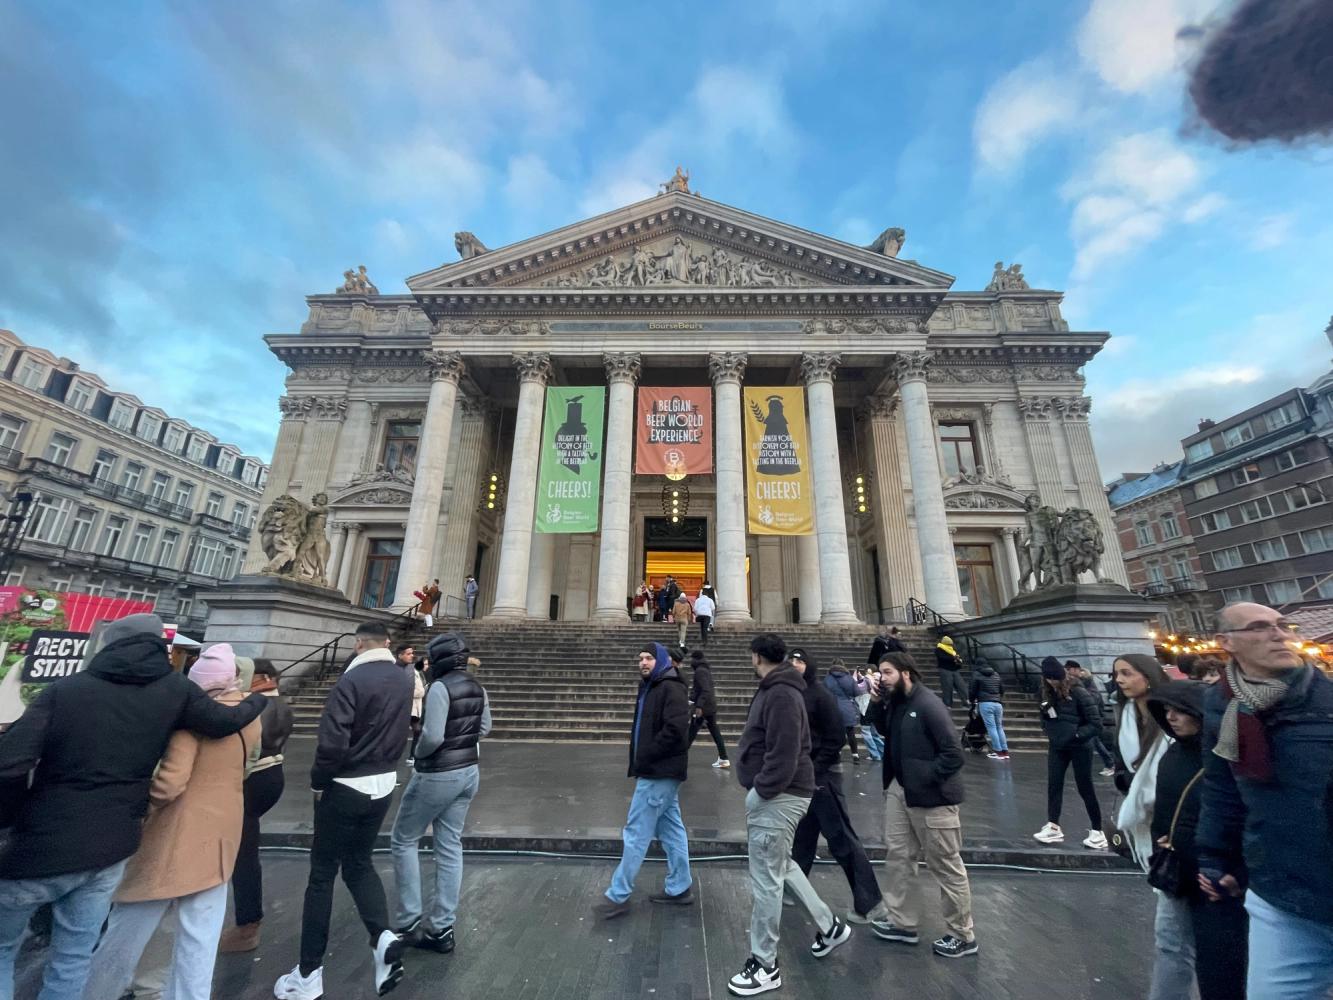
x=1206, y=425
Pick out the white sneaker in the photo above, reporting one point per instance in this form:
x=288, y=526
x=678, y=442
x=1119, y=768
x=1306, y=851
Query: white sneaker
x=1050, y=834
x=1107, y=772
x=294, y=986
x=388, y=962
x=1096, y=840
x=722, y=762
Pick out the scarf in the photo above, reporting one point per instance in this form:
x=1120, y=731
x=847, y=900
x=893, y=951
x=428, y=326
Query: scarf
x=1134, y=818
x=1243, y=738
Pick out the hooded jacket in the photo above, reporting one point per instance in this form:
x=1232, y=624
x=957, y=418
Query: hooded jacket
x=92, y=742
x=845, y=689
x=659, y=743
x=987, y=685
x=1070, y=722
x=827, y=731
x=773, y=755
x=946, y=656
x=1181, y=762
x=884, y=644
x=921, y=748
x=702, y=694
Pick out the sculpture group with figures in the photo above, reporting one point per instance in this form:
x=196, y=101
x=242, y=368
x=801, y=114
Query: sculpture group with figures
x=1057, y=548
x=294, y=539
x=679, y=265
x=1008, y=279
x=356, y=283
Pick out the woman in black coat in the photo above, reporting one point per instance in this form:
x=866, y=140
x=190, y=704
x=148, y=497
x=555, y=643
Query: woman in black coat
x=1070, y=719
x=703, y=705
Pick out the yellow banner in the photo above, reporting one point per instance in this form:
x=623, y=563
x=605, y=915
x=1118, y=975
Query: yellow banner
x=779, y=498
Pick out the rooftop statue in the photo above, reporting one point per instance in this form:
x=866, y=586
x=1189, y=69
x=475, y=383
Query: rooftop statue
x=1007, y=280
x=468, y=246
x=889, y=242
x=356, y=283
x=680, y=181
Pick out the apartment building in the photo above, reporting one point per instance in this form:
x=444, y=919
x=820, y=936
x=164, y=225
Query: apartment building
x=1248, y=510
x=126, y=501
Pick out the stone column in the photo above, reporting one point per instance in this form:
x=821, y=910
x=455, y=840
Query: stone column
x=622, y=371
x=1011, y=558
x=1037, y=412
x=541, y=561
x=423, y=517
x=336, y=551
x=835, y=570
x=511, y=577
x=315, y=461
x=938, y=565
x=807, y=578
x=727, y=370
x=353, y=442
x=900, y=572
x=460, y=529
x=1074, y=415
x=348, y=561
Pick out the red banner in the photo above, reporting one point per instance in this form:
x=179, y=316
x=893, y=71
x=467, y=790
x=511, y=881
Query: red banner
x=674, y=431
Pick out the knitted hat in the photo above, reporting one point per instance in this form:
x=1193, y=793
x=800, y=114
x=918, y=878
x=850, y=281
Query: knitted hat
x=131, y=625
x=215, y=670
x=677, y=653
x=1052, y=669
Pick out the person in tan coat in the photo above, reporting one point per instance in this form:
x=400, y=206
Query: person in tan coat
x=188, y=850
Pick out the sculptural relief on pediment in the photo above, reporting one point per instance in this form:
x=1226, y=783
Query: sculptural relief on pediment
x=679, y=262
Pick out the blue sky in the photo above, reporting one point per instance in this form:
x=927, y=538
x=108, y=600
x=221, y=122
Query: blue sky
x=177, y=177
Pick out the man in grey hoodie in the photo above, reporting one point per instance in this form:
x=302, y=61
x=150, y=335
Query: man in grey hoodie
x=773, y=764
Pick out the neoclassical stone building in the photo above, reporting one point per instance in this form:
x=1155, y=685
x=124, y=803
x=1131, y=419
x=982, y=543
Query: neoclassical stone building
x=932, y=414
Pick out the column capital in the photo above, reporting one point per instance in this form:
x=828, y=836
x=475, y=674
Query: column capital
x=475, y=407
x=819, y=367
x=533, y=367
x=880, y=406
x=1035, y=407
x=329, y=407
x=444, y=366
x=911, y=367
x=295, y=407
x=727, y=367
x=1009, y=532
x=621, y=367
x=1072, y=409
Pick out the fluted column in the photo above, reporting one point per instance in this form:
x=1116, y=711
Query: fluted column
x=727, y=370
x=541, y=562
x=1037, y=412
x=1011, y=558
x=939, y=568
x=353, y=450
x=511, y=576
x=336, y=551
x=460, y=528
x=349, y=562
x=1091, y=495
x=622, y=371
x=807, y=561
x=838, y=607
x=423, y=517
x=900, y=569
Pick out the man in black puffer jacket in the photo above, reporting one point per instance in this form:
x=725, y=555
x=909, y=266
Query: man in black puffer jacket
x=456, y=716
x=658, y=756
x=828, y=807
x=91, y=743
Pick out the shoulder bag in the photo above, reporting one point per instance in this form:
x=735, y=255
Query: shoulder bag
x=1165, y=872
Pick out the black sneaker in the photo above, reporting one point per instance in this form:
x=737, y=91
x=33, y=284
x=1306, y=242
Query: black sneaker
x=609, y=909
x=685, y=898
x=411, y=933
x=825, y=942
x=441, y=941
x=755, y=978
x=952, y=947
x=890, y=932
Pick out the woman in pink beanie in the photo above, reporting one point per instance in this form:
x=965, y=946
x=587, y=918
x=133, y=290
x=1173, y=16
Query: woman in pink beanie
x=189, y=846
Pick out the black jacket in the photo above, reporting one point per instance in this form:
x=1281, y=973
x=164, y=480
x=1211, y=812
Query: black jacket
x=1076, y=719
x=921, y=748
x=884, y=644
x=827, y=733
x=947, y=661
x=366, y=721
x=702, y=694
x=659, y=745
x=462, y=724
x=94, y=740
x=773, y=755
x=986, y=685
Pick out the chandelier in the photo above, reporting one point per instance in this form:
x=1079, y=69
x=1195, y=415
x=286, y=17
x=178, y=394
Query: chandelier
x=675, y=502
x=493, y=494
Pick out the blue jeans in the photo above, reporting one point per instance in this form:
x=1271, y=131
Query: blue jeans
x=873, y=741
x=992, y=713
x=80, y=904
x=1291, y=958
x=654, y=811
x=1173, y=961
x=438, y=799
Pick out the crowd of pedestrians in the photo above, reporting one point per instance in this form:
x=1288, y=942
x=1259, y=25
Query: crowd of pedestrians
x=1225, y=800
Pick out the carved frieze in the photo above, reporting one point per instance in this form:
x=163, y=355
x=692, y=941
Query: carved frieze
x=819, y=367
x=381, y=496
x=396, y=376
x=1047, y=373
x=320, y=373
x=869, y=327
x=981, y=489
x=954, y=373
x=534, y=367
x=913, y=365
x=680, y=263
x=727, y=367
x=496, y=328
x=380, y=474
x=621, y=367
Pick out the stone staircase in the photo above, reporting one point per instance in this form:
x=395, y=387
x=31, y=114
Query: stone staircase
x=562, y=681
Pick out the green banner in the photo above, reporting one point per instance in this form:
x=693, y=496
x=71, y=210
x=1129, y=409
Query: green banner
x=569, y=483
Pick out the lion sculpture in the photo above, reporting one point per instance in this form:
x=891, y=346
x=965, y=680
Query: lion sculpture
x=468, y=246
x=1078, y=544
x=293, y=539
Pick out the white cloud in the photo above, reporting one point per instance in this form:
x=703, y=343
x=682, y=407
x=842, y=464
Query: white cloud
x=1022, y=108
x=1143, y=397
x=529, y=182
x=394, y=237
x=1205, y=207
x=1272, y=231
x=427, y=166
x=1131, y=44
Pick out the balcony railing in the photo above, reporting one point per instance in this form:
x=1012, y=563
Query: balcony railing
x=142, y=501
x=10, y=459
x=241, y=531
x=43, y=469
x=1180, y=585
x=209, y=521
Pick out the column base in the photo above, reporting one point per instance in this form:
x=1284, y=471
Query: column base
x=734, y=618
x=610, y=616
x=507, y=615
x=839, y=618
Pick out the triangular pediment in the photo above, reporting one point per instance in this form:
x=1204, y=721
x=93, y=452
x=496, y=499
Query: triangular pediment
x=677, y=239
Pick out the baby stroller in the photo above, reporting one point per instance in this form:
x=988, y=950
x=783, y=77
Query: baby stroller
x=974, y=733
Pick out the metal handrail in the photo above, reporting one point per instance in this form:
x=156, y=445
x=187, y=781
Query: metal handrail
x=327, y=653
x=1021, y=665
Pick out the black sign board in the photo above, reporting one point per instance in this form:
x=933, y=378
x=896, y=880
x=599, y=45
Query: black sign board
x=52, y=655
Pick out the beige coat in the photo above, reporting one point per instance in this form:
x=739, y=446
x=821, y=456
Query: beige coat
x=196, y=805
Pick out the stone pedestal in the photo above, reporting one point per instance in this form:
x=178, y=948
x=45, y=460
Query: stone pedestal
x=283, y=620
x=1092, y=623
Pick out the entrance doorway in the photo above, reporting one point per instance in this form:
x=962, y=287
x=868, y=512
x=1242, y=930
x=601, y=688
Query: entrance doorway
x=976, y=579
x=677, y=550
